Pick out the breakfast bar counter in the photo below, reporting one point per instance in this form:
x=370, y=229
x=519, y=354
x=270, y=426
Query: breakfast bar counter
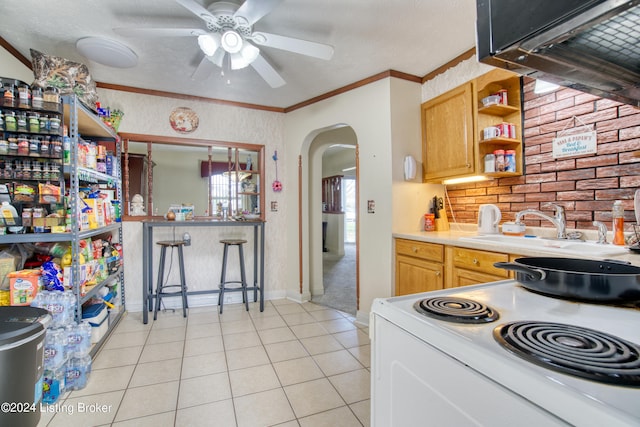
x=148, y=226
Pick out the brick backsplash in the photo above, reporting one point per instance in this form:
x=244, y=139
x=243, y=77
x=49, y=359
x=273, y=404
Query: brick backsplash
x=586, y=185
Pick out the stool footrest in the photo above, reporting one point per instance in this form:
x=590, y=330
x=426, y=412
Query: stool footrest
x=181, y=289
x=243, y=280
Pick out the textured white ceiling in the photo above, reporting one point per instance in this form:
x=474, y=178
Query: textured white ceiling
x=369, y=36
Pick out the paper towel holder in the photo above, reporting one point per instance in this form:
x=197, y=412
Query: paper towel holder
x=409, y=168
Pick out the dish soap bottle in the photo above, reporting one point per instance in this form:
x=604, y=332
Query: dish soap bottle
x=618, y=223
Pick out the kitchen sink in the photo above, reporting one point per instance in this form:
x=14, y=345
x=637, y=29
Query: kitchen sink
x=563, y=247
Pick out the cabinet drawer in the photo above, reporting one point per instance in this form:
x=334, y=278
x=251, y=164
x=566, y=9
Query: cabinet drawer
x=428, y=251
x=482, y=261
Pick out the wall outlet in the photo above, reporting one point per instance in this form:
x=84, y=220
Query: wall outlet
x=187, y=238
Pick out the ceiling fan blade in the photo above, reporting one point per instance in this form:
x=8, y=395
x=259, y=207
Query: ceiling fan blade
x=203, y=70
x=160, y=32
x=303, y=47
x=252, y=10
x=198, y=10
x=267, y=72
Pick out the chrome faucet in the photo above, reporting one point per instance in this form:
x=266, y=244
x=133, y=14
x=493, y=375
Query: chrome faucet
x=602, y=231
x=558, y=219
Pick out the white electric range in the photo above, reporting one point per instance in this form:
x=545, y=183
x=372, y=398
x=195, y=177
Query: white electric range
x=429, y=370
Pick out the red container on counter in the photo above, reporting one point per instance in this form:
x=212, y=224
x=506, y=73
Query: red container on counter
x=429, y=222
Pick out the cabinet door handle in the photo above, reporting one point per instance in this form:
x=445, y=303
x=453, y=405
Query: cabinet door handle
x=475, y=261
x=415, y=250
x=437, y=274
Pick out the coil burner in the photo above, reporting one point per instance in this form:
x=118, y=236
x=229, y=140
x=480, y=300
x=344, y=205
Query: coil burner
x=573, y=350
x=459, y=310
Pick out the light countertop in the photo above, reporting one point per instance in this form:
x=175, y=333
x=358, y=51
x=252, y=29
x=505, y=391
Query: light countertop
x=458, y=231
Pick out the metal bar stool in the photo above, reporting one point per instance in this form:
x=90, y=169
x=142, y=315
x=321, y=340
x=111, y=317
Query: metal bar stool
x=161, y=287
x=223, y=276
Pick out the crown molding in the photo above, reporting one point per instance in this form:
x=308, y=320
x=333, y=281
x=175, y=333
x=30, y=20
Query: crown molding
x=383, y=75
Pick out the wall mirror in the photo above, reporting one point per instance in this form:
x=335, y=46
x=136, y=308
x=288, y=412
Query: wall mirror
x=218, y=179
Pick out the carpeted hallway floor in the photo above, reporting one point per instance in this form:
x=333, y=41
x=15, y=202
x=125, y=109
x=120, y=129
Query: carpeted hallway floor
x=339, y=281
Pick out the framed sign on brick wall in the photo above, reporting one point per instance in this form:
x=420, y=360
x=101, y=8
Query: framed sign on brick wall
x=575, y=145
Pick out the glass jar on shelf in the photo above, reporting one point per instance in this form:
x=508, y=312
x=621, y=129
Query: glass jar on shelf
x=27, y=172
x=51, y=98
x=8, y=171
x=44, y=123
x=10, y=123
x=37, y=101
x=9, y=95
x=34, y=122
x=23, y=145
x=54, y=125
x=36, y=170
x=21, y=121
x=27, y=217
x=56, y=147
x=13, y=144
x=24, y=96
x=18, y=170
x=45, y=146
x=34, y=146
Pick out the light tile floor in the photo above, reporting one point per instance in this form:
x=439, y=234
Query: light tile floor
x=292, y=365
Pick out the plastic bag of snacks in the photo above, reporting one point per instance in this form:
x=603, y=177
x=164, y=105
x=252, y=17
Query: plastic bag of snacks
x=51, y=276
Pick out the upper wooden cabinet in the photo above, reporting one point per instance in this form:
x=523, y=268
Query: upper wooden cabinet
x=448, y=147
x=453, y=143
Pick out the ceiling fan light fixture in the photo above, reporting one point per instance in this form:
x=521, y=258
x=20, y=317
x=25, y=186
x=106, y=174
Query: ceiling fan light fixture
x=246, y=56
x=250, y=52
x=231, y=41
x=237, y=61
x=218, y=57
x=208, y=44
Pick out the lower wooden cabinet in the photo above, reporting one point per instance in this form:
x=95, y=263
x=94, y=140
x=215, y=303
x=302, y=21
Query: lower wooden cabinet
x=414, y=275
x=423, y=267
x=471, y=266
x=419, y=267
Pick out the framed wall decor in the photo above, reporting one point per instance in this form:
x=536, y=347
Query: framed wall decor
x=184, y=120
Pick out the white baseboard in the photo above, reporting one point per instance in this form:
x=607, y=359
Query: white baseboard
x=207, y=300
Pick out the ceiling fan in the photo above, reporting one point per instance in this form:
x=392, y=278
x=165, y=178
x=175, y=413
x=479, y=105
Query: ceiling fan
x=229, y=40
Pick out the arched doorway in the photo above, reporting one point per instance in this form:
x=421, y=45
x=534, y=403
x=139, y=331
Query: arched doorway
x=334, y=259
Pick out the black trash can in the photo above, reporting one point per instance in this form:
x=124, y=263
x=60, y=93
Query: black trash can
x=22, y=331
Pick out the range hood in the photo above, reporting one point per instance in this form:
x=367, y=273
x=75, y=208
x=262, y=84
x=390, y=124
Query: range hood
x=592, y=46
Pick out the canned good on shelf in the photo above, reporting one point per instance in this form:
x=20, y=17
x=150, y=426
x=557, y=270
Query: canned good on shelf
x=500, y=164
x=489, y=163
x=510, y=161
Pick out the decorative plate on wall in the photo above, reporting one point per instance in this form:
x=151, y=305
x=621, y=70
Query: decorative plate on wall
x=184, y=120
